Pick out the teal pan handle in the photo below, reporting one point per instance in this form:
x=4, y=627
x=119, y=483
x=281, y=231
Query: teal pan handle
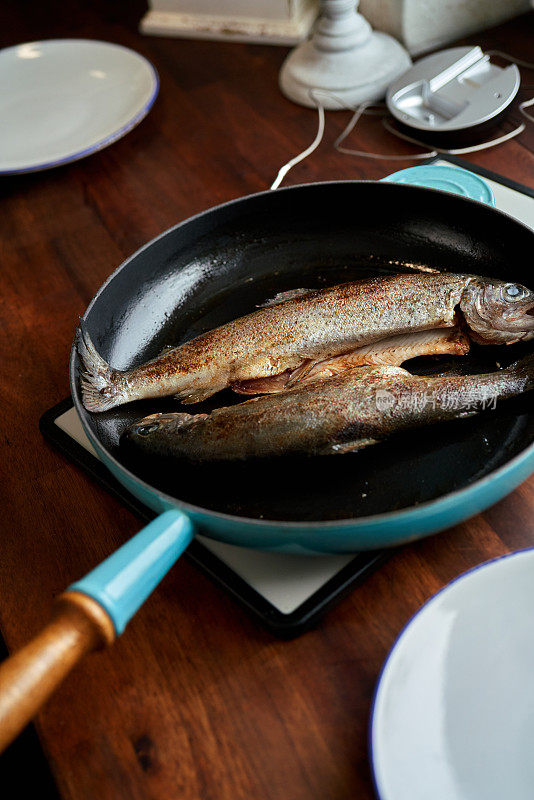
x=93, y=613
x=446, y=178
x=122, y=582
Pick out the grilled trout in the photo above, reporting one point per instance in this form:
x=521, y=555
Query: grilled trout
x=299, y=329
x=340, y=414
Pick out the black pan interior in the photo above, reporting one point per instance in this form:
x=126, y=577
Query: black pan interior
x=223, y=263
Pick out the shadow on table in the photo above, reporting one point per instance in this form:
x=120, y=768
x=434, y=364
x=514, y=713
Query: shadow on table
x=24, y=766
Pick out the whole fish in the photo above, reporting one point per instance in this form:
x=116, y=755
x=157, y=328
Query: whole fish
x=340, y=414
x=387, y=352
x=299, y=329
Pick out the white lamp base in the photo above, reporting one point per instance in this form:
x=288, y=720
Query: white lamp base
x=344, y=57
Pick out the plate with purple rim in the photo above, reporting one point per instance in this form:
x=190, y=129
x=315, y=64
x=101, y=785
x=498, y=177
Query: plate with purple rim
x=453, y=713
x=64, y=99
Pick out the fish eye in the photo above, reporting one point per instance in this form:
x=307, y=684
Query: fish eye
x=514, y=292
x=145, y=430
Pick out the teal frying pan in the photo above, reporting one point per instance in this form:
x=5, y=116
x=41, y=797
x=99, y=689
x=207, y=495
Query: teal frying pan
x=217, y=266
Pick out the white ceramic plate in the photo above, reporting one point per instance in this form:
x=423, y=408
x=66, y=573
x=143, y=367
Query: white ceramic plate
x=63, y=99
x=453, y=717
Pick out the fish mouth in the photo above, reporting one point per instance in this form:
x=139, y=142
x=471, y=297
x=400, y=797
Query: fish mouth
x=522, y=317
x=522, y=323
x=527, y=316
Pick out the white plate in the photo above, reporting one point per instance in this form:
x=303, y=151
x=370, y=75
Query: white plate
x=453, y=717
x=63, y=99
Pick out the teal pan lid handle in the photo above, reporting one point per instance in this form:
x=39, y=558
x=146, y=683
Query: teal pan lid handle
x=447, y=178
x=122, y=582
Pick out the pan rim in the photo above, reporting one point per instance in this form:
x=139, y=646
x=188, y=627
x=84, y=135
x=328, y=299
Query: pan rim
x=437, y=506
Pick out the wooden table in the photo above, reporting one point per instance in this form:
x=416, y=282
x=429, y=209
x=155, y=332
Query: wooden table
x=195, y=700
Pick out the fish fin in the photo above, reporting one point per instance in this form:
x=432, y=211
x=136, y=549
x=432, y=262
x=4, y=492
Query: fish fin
x=300, y=373
x=281, y=297
x=179, y=418
x=269, y=385
x=276, y=384
x=448, y=343
x=336, y=366
x=97, y=378
x=189, y=396
x=348, y=447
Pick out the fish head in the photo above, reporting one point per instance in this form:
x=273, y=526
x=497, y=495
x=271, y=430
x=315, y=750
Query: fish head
x=149, y=425
x=146, y=434
x=154, y=434
x=498, y=312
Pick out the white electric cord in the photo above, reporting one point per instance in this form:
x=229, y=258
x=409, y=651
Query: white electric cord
x=513, y=59
x=379, y=109
x=305, y=153
x=524, y=105
x=458, y=150
x=520, y=63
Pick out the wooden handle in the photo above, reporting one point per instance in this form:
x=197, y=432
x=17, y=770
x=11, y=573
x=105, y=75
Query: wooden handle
x=30, y=676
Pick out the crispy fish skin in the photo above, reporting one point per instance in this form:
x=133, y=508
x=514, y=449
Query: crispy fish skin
x=291, y=334
x=357, y=408
x=386, y=352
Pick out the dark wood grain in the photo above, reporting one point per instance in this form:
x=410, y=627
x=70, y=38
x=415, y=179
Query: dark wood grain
x=194, y=701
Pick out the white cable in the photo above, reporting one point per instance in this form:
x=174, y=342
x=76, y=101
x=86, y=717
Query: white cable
x=305, y=153
x=460, y=150
x=369, y=108
x=517, y=61
x=524, y=105
x=366, y=154
x=379, y=109
x=363, y=108
x=520, y=63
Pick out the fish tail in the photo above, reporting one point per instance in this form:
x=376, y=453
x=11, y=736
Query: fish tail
x=524, y=369
x=98, y=380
